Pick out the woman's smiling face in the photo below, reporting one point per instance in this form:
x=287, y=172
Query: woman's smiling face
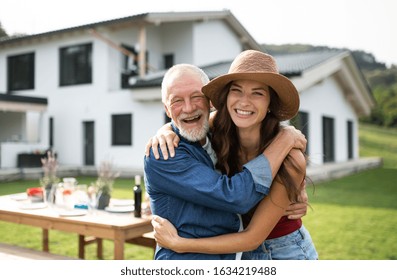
x=248, y=102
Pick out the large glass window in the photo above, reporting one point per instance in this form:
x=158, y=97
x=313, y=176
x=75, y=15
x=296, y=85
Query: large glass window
x=122, y=130
x=20, y=72
x=76, y=65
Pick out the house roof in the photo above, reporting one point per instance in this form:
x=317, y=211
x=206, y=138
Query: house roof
x=148, y=19
x=289, y=65
x=296, y=63
x=18, y=103
x=305, y=70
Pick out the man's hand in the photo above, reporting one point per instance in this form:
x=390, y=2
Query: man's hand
x=296, y=211
x=167, y=139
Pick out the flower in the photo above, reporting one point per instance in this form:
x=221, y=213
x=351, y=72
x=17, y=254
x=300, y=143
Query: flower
x=106, y=177
x=50, y=166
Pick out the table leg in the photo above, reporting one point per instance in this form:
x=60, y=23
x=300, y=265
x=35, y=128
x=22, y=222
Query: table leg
x=81, y=246
x=99, y=249
x=84, y=241
x=118, y=249
x=45, y=240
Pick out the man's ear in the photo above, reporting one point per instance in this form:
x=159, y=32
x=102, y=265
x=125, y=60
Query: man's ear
x=167, y=111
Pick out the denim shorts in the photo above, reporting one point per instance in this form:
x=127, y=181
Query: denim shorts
x=297, y=245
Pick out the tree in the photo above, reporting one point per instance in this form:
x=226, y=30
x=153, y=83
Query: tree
x=385, y=111
x=3, y=33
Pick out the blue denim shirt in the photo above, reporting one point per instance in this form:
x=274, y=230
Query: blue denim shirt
x=199, y=201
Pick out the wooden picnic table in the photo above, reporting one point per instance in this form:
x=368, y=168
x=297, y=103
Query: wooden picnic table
x=96, y=224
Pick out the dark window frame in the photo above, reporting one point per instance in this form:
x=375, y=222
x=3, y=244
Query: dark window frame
x=75, y=65
x=328, y=139
x=20, y=72
x=51, y=132
x=168, y=60
x=122, y=129
x=350, y=139
x=130, y=66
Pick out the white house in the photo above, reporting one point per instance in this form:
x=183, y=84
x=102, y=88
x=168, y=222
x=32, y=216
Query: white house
x=92, y=92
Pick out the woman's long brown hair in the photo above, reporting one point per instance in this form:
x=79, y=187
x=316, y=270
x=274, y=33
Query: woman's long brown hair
x=226, y=144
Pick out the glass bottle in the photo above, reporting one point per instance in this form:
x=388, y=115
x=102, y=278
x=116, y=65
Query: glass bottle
x=137, y=197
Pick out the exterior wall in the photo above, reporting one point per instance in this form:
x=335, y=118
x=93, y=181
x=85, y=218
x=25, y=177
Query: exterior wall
x=214, y=42
x=177, y=39
x=327, y=99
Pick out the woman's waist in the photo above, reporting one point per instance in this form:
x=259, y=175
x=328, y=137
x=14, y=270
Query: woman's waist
x=284, y=226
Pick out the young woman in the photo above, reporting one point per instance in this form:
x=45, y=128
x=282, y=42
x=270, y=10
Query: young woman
x=251, y=101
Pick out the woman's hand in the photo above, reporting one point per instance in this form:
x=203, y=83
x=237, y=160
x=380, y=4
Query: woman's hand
x=165, y=233
x=167, y=139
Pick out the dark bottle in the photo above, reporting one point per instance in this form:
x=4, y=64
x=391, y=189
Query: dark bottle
x=137, y=197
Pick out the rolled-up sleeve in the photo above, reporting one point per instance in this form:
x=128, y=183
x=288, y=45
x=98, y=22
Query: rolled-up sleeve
x=261, y=173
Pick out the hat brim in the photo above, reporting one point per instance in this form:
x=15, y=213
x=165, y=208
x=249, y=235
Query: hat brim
x=285, y=89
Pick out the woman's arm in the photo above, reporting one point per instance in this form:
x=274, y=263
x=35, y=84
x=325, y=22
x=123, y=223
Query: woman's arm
x=266, y=216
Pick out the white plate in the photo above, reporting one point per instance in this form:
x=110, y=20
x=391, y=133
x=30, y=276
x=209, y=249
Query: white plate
x=19, y=196
x=31, y=206
x=121, y=202
x=120, y=209
x=72, y=213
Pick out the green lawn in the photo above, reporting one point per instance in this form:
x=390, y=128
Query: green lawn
x=376, y=141
x=353, y=218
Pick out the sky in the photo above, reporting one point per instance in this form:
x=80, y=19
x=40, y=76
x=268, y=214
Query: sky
x=367, y=25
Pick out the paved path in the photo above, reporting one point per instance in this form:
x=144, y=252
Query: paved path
x=11, y=252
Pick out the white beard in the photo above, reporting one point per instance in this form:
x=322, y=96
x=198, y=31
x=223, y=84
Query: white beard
x=195, y=135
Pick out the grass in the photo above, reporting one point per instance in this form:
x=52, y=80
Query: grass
x=377, y=141
x=353, y=218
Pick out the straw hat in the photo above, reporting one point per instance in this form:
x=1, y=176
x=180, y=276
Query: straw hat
x=261, y=67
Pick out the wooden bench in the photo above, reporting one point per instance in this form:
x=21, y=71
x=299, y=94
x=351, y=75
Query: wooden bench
x=147, y=240
x=12, y=252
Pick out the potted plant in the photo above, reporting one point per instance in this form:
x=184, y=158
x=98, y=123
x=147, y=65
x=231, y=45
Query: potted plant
x=49, y=179
x=104, y=183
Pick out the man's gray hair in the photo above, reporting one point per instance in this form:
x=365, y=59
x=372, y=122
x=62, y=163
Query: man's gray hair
x=177, y=71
